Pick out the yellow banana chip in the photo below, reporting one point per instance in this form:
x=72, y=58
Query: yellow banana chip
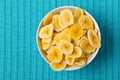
x=58, y=66
x=54, y=55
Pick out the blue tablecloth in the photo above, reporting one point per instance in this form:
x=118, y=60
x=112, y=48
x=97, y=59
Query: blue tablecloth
x=19, y=56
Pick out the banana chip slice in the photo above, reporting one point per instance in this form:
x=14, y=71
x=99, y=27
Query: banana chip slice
x=46, y=31
x=86, y=22
x=78, y=14
x=86, y=46
x=54, y=55
x=76, y=31
x=57, y=27
x=93, y=39
x=58, y=66
x=66, y=17
x=65, y=47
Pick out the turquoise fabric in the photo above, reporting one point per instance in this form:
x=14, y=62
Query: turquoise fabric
x=19, y=56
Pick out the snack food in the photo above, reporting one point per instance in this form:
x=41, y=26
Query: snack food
x=66, y=17
x=86, y=22
x=58, y=66
x=46, y=31
x=68, y=38
x=76, y=31
x=54, y=55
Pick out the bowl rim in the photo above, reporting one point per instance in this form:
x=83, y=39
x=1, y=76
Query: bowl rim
x=95, y=24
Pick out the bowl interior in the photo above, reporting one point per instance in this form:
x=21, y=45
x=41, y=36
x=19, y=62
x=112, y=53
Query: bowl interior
x=55, y=11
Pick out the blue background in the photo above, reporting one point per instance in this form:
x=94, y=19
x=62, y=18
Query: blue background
x=19, y=56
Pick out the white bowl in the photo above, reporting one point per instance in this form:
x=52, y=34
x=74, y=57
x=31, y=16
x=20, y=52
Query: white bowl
x=57, y=10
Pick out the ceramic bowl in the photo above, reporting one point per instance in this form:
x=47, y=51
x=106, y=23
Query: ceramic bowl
x=57, y=10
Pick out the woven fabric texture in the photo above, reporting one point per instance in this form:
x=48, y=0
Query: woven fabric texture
x=19, y=56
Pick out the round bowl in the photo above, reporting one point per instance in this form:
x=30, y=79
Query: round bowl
x=57, y=10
